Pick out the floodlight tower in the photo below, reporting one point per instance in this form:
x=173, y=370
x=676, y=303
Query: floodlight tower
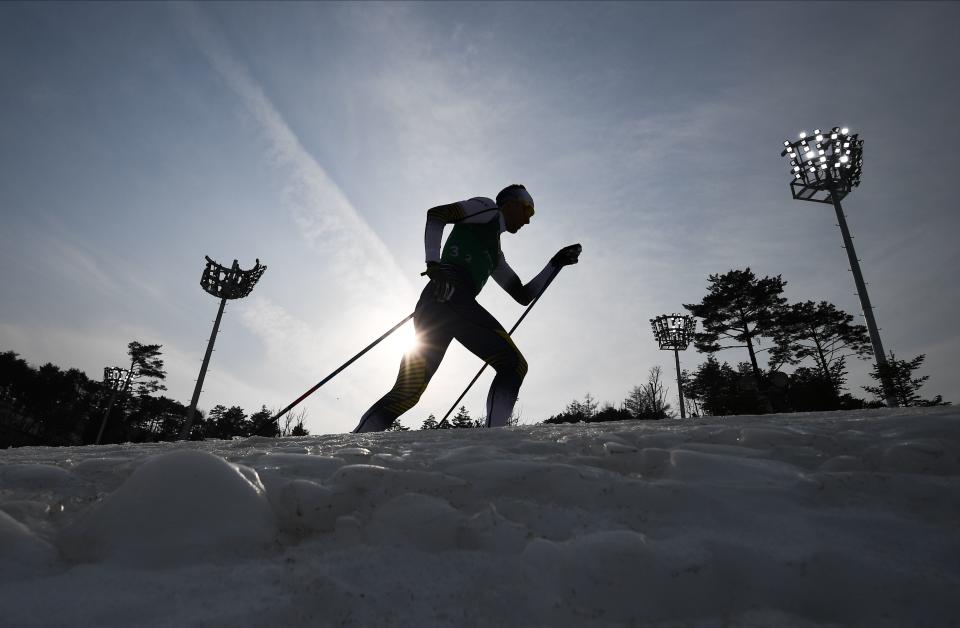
x=113, y=379
x=674, y=331
x=224, y=283
x=825, y=168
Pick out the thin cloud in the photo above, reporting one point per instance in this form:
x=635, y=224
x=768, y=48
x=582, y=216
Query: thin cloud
x=287, y=339
x=319, y=207
x=79, y=267
x=74, y=262
x=325, y=218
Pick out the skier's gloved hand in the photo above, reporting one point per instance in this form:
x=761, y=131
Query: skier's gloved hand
x=443, y=285
x=567, y=255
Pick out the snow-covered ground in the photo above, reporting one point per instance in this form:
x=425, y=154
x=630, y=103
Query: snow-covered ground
x=833, y=519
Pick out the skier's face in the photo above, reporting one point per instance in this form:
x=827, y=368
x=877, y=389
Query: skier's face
x=517, y=213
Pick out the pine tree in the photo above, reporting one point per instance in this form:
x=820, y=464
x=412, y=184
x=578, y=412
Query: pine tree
x=146, y=368
x=610, y=413
x=636, y=402
x=577, y=411
x=905, y=386
x=262, y=423
x=740, y=308
x=397, y=426
x=462, y=418
x=692, y=403
x=156, y=418
x=586, y=409
x=226, y=422
x=714, y=387
x=822, y=332
x=429, y=423
x=16, y=377
x=145, y=373
x=809, y=391
x=215, y=421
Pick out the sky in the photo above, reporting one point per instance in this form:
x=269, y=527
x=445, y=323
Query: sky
x=136, y=138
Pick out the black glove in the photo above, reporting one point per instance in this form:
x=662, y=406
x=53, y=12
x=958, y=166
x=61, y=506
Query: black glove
x=443, y=284
x=567, y=255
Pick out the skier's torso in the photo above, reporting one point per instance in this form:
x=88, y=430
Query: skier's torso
x=475, y=250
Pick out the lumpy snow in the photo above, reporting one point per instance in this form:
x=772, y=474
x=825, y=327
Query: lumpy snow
x=160, y=499
x=831, y=519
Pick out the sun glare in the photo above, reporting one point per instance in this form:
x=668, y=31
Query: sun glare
x=402, y=341
x=408, y=338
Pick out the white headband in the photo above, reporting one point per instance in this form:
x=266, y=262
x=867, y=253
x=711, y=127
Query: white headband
x=521, y=195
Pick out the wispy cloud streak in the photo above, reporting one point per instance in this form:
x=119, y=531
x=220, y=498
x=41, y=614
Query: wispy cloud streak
x=324, y=214
x=361, y=280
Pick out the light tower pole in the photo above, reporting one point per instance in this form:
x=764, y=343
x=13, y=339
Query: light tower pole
x=674, y=331
x=223, y=283
x=825, y=168
x=113, y=377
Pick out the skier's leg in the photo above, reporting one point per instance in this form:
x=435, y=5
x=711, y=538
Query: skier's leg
x=411, y=382
x=416, y=369
x=480, y=332
x=511, y=368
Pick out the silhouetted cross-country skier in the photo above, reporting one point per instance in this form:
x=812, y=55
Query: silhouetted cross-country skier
x=448, y=309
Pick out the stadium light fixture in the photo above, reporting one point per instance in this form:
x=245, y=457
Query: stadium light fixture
x=223, y=283
x=113, y=380
x=828, y=176
x=674, y=332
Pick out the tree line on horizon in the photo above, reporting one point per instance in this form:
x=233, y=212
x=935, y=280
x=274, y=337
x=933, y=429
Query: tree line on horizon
x=50, y=406
x=743, y=311
x=461, y=420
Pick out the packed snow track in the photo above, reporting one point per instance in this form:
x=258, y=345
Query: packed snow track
x=831, y=519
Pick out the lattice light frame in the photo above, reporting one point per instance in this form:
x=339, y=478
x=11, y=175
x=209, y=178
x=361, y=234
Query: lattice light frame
x=113, y=375
x=824, y=166
x=230, y=283
x=673, y=331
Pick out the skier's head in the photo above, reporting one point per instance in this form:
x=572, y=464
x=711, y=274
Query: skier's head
x=516, y=205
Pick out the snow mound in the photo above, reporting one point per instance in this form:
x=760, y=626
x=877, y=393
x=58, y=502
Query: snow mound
x=315, y=467
x=428, y=523
x=21, y=552
x=36, y=477
x=178, y=507
x=927, y=456
x=707, y=467
x=303, y=506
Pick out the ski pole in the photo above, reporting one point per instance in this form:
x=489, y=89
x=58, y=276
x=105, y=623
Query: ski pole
x=343, y=366
x=510, y=333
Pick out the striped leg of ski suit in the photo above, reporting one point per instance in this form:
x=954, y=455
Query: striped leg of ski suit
x=437, y=324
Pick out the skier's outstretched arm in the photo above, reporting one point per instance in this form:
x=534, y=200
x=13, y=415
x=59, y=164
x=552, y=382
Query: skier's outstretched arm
x=525, y=293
